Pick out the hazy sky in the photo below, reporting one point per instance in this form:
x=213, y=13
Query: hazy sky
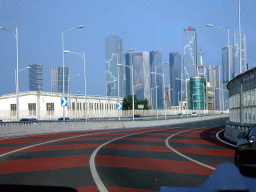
x=144, y=25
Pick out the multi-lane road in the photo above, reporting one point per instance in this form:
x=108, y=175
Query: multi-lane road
x=140, y=160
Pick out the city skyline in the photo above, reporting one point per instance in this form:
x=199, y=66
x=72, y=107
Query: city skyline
x=143, y=25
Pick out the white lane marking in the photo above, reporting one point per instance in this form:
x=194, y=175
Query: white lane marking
x=101, y=187
x=193, y=160
x=57, y=140
x=217, y=135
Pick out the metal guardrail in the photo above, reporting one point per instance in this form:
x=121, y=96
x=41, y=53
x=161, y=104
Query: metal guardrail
x=95, y=120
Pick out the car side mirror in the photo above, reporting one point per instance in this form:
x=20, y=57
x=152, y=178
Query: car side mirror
x=242, y=135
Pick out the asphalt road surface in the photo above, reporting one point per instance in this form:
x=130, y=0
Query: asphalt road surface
x=140, y=160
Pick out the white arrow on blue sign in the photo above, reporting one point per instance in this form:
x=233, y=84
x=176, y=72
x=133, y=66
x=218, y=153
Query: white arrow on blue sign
x=119, y=106
x=64, y=101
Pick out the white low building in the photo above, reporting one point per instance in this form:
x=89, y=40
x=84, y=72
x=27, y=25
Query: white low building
x=47, y=106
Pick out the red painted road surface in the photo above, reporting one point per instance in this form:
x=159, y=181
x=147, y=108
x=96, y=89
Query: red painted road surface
x=139, y=163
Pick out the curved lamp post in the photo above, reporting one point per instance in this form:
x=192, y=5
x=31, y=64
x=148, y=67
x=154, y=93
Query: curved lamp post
x=186, y=96
x=118, y=74
x=156, y=67
x=83, y=57
x=16, y=81
x=224, y=30
x=63, y=35
x=131, y=68
x=162, y=75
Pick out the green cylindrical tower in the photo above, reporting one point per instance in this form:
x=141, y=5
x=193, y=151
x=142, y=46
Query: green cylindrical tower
x=198, y=93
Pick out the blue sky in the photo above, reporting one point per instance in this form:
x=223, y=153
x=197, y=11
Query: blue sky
x=144, y=25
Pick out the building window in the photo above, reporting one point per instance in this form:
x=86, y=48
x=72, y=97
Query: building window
x=32, y=108
x=13, y=109
x=50, y=108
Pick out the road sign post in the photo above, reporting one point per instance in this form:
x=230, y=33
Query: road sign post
x=64, y=101
x=119, y=106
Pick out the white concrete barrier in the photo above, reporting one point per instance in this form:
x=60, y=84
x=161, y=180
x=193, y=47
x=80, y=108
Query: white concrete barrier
x=18, y=130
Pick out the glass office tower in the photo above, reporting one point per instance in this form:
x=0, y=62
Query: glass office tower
x=198, y=93
x=156, y=81
x=113, y=51
x=141, y=74
x=237, y=55
x=189, y=52
x=175, y=72
x=36, y=77
x=57, y=79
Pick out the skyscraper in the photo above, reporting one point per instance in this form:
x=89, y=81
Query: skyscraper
x=213, y=76
x=228, y=58
x=155, y=59
x=113, y=51
x=175, y=72
x=36, y=77
x=237, y=55
x=57, y=79
x=189, y=52
x=141, y=73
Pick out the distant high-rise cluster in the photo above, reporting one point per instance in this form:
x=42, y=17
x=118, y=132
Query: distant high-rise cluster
x=231, y=63
x=36, y=77
x=148, y=73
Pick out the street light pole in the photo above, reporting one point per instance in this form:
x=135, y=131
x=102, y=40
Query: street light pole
x=131, y=68
x=186, y=96
x=70, y=90
x=118, y=86
x=224, y=30
x=85, y=96
x=132, y=95
x=156, y=86
x=15, y=33
x=16, y=81
x=63, y=79
x=162, y=75
x=118, y=77
x=17, y=86
x=164, y=98
x=240, y=41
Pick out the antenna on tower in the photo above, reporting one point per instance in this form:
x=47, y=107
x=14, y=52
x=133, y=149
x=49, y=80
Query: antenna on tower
x=201, y=66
